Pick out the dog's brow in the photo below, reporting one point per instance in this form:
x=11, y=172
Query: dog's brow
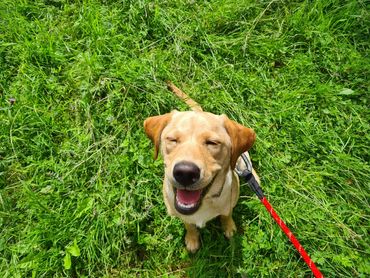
x=211, y=135
x=174, y=133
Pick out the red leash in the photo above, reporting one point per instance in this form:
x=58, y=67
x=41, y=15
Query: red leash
x=293, y=239
x=250, y=179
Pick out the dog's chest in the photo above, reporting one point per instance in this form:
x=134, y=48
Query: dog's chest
x=210, y=209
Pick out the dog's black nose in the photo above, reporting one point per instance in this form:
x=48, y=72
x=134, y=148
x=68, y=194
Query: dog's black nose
x=186, y=173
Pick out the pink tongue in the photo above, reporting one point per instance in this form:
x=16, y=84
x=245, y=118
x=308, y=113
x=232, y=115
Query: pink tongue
x=188, y=197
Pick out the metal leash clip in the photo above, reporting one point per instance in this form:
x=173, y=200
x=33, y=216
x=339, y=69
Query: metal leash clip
x=248, y=176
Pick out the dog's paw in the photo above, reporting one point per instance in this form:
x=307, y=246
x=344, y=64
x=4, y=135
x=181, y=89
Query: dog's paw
x=192, y=242
x=228, y=226
x=230, y=231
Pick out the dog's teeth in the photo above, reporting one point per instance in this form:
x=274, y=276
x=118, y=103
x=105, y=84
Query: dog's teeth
x=186, y=205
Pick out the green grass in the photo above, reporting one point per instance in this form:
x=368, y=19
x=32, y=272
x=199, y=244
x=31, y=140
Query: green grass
x=80, y=195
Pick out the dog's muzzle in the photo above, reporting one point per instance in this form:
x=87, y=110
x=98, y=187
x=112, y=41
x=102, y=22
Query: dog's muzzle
x=187, y=197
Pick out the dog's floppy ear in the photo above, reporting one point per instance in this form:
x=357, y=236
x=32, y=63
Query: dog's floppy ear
x=153, y=128
x=242, y=139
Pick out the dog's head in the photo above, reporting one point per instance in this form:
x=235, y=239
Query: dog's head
x=196, y=147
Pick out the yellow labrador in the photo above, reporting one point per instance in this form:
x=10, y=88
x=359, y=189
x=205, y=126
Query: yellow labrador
x=200, y=151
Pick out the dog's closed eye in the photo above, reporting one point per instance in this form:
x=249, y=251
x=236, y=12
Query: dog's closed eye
x=172, y=140
x=210, y=142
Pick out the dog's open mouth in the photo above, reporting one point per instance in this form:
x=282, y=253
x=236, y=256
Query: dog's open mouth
x=187, y=201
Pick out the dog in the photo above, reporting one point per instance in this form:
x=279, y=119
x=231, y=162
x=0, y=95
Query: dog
x=200, y=151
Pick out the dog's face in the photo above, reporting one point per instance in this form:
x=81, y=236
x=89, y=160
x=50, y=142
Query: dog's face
x=196, y=148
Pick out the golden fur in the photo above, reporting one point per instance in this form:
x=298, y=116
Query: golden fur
x=213, y=143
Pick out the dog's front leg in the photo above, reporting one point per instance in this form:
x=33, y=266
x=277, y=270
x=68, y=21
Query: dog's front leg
x=191, y=237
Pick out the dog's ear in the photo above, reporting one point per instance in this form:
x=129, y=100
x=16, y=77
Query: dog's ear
x=242, y=139
x=153, y=128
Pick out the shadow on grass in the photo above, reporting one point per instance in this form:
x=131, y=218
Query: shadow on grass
x=218, y=256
